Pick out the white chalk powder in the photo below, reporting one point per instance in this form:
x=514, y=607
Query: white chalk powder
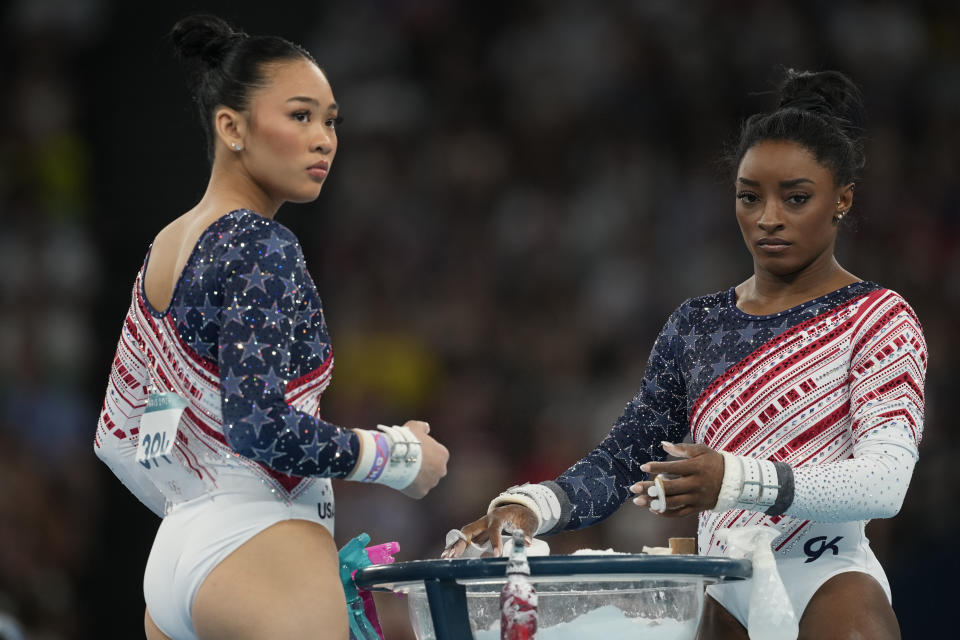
x=609, y=623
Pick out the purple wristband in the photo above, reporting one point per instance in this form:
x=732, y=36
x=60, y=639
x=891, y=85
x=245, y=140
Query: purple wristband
x=381, y=459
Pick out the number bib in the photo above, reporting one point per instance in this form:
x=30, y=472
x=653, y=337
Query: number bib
x=156, y=450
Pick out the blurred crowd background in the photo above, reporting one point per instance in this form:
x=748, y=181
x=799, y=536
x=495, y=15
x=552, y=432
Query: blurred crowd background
x=524, y=191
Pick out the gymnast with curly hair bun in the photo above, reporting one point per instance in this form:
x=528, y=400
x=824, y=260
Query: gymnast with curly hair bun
x=801, y=388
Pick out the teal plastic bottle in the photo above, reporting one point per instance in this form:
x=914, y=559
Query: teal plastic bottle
x=354, y=555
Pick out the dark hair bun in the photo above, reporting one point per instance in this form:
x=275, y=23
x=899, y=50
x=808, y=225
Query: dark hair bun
x=225, y=66
x=828, y=93
x=204, y=38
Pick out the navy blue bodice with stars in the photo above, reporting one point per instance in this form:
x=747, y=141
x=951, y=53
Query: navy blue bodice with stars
x=246, y=303
x=703, y=338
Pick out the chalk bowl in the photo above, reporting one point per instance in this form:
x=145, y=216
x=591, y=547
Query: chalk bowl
x=610, y=597
x=572, y=608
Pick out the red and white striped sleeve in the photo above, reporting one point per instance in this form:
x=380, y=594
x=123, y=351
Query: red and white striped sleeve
x=887, y=372
x=117, y=435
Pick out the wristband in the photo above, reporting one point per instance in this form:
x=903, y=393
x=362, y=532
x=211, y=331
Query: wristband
x=785, y=494
x=769, y=485
x=374, y=453
x=406, y=457
x=391, y=456
x=732, y=483
x=751, y=484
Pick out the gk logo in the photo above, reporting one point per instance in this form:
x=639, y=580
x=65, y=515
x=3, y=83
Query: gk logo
x=813, y=554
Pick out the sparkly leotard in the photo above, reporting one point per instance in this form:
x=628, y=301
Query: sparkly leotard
x=245, y=342
x=833, y=388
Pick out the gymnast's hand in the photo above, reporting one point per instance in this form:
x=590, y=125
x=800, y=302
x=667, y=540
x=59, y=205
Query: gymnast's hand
x=434, y=465
x=508, y=516
x=691, y=484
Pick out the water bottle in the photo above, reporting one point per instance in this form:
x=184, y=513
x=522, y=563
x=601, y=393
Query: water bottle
x=518, y=598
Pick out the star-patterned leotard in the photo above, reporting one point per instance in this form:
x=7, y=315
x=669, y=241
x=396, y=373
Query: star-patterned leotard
x=244, y=340
x=245, y=343
x=832, y=387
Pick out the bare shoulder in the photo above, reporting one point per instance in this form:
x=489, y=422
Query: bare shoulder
x=170, y=236
x=166, y=260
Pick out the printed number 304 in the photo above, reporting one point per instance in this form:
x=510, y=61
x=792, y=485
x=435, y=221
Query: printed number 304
x=158, y=428
x=153, y=446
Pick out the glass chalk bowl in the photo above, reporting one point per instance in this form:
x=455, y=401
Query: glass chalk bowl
x=603, y=596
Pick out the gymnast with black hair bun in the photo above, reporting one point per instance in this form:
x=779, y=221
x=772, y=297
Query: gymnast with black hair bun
x=801, y=388
x=211, y=416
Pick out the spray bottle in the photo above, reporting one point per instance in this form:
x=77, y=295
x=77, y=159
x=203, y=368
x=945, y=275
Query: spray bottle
x=518, y=598
x=362, y=615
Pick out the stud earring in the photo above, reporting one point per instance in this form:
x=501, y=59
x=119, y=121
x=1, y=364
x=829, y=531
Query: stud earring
x=239, y=147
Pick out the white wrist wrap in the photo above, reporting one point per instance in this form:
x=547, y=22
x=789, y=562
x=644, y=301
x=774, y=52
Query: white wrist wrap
x=392, y=458
x=747, y=483
x=732, y=483
x=752, y=482
x=538, y=498
x=406, y=456
x=769, y=485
